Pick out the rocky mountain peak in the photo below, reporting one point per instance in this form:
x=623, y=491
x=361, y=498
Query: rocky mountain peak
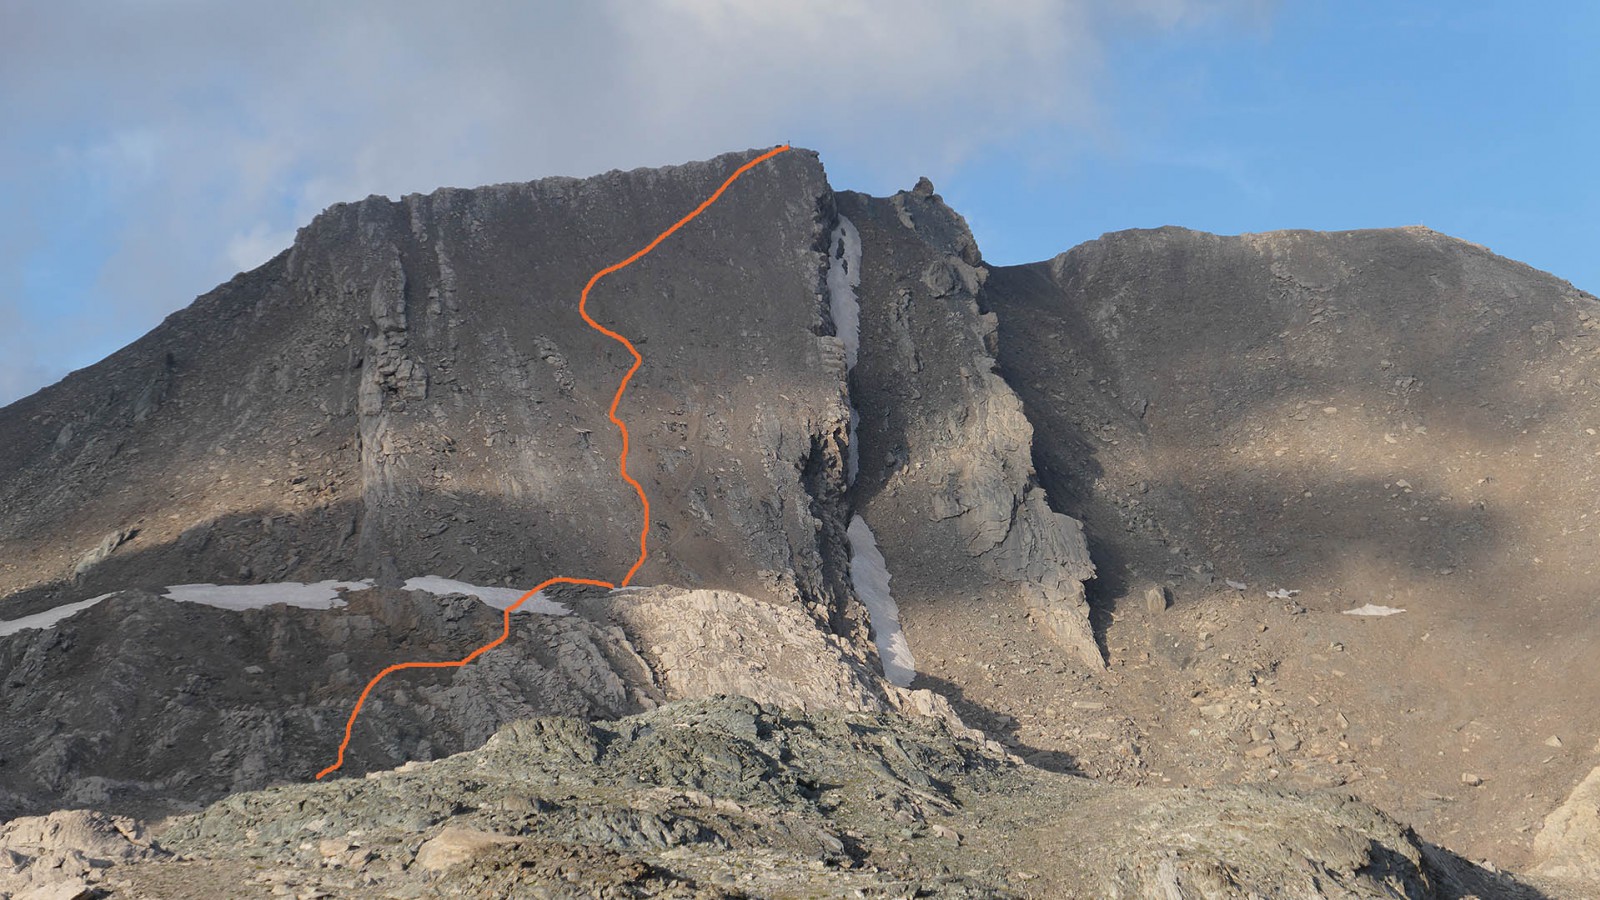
x=956, y=533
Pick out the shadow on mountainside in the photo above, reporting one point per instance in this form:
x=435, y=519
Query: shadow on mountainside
x=1184, y=430
x=998, y=725
x=142, y=705
x=470, y=537
x=1458, y=879
x=1390, y=418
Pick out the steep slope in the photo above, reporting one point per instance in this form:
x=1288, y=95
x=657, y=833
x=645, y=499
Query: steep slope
x=945, y=452
x=1394, y=418
x=410, y=390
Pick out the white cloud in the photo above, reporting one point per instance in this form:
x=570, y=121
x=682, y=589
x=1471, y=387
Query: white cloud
x=217, y=129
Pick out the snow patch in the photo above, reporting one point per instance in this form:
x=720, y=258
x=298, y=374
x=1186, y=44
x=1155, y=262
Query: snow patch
x=868, y=571
x=1372, y=609
x=844, y=276
x=48, y=618
x=237, y=597
x=317, y=595
x=320, y=595
x=497, y=597
x=852, y=457
x=870, y=575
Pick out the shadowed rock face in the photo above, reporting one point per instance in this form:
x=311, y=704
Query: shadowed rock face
x=153, y=705
x=945, y=450
x=410, y=390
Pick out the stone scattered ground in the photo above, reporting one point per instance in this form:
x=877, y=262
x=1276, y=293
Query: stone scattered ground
x=725, y=797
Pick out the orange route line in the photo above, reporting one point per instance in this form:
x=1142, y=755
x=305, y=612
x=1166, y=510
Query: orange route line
x=622, y=466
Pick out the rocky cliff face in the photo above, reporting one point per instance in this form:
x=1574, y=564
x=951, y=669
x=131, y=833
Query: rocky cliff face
x=946, y=453
x=410, y=391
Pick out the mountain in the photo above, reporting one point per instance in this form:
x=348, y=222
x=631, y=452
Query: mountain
x=1096, y=521
x=409, y=391
x=1389, y=417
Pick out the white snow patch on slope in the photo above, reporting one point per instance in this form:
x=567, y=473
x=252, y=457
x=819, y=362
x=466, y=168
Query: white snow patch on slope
x=1372, y=609
x=870, y=575
x=318, y=595
x=497, y=597
x=844, y=276
x=868, y=571
x=48, y=618
x=852, y=457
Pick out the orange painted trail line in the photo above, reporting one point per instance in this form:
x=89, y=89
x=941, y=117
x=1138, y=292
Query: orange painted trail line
x=622, y=466
x=583, y=310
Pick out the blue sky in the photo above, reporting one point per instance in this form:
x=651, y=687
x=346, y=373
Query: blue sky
x=1480, y=120
x=154, y=147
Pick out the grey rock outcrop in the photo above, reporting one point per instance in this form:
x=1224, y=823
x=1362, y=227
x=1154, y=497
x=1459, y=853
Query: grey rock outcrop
x=703, y=643
x=64, y=856
x=945, y=449
x=188, y=702
x=184, y=703
x=1567, y=848
x=102, y=552
x=708, y=643
x=729, y=795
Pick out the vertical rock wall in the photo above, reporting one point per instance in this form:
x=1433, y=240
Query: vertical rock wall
x=945, y=450
x=411, y=391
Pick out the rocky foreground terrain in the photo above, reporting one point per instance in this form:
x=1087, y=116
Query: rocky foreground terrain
x=1125, y=502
